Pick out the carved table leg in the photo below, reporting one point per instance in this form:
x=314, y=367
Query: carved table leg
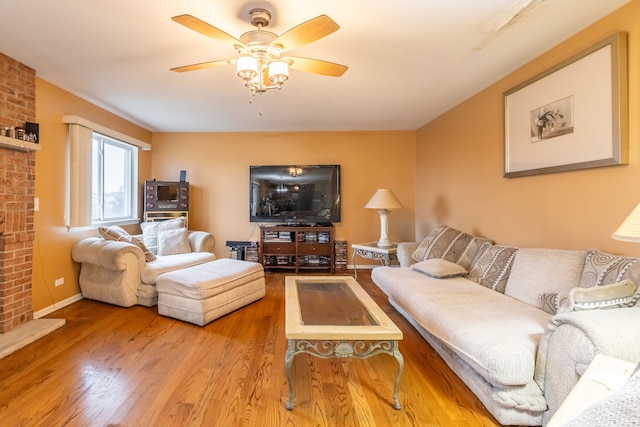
x=400, y=359
x=355, y=269
x=288, y=360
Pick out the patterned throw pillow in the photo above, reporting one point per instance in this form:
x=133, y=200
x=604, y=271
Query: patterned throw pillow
x=492, y=266
x=552, y=302
x=601, y=268
x=450, y=244
x=120, y=235
x=114, y=233
x=472, y=250
x=423, y=250
x=616, y=295
x=148, y=255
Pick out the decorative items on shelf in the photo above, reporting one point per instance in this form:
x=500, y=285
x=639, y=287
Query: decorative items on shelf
x=29, y=133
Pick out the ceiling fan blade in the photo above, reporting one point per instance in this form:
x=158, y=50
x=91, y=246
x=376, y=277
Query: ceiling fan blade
x=206, y=29
x=316, y=66
x=202, y=65
x=306, y=32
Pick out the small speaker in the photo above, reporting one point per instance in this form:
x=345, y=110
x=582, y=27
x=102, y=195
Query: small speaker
x=183, y=176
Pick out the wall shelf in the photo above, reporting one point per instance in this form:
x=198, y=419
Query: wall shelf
x=18, y=144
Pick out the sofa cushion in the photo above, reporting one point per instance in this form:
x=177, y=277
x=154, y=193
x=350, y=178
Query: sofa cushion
x=172, y=242
x=448, y=243
x=439, y=268
x=536, y=271
x=496, y=335
x=492, y=266
x=601, y=268
x=151, y=230
x=163, y=264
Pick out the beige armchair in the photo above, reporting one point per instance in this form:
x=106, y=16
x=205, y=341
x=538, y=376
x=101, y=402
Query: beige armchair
x=116, y=272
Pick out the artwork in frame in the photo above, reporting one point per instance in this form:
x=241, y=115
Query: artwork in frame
x=572, y=116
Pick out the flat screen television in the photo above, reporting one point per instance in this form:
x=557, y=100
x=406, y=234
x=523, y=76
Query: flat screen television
x=167, y=192
x=294, y=194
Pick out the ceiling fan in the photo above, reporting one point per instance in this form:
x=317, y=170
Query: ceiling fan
x=263, y=63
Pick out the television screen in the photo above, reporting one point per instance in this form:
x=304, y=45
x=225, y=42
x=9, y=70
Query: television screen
x=167, y=192
x=295, y=194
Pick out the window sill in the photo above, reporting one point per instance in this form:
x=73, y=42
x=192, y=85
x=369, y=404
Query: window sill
x=95, y=226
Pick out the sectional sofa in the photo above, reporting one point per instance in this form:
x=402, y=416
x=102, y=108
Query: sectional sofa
x=518, y=325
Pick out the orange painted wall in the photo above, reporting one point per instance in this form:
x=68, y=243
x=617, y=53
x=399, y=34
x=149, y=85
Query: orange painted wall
x=460, y=168
x=52, y=245
x=443, y=172
x=217, y=166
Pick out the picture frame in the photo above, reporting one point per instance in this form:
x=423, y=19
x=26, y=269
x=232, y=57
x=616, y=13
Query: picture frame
x=571, y=116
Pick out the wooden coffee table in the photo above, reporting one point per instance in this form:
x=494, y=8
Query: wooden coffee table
x=333, y=317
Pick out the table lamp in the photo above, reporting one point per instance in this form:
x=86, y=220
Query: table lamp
x=383, y=200
x=629, y=230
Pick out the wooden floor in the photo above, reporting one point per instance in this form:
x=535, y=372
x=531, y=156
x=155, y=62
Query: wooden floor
x=113, y=366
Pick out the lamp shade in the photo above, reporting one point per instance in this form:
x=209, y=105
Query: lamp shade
x=278, y=71
x=629, y=230
x=383, y=199
x=247, y=67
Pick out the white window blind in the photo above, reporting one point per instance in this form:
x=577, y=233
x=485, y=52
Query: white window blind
x=80, y=209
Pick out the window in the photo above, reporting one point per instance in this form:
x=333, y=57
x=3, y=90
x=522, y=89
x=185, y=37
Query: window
x=102, y=176
x=112, y=181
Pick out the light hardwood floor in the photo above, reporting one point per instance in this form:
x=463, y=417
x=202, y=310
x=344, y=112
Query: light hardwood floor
x=113, y=366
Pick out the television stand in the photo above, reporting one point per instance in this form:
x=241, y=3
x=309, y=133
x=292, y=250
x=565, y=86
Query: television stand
x=297, y=247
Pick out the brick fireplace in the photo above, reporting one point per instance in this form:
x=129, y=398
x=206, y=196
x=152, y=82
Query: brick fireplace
x=17, y=190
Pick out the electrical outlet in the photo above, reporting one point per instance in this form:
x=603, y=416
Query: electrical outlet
x=60, y=281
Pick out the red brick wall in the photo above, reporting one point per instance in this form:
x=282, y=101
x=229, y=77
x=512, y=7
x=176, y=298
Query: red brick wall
x=17, y=189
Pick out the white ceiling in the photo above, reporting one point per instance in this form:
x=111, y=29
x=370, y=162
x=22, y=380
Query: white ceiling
x=409, y=60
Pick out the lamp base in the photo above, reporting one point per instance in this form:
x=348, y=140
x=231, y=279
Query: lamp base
x=384, y=241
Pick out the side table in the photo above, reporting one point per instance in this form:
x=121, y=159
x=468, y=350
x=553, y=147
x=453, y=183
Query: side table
x=371, y=250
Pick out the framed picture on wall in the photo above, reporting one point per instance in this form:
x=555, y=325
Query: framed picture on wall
x=572, y=116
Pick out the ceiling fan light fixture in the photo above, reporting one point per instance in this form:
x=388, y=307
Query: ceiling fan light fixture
x=260, y=64
x=247, y=67
x=278, y=72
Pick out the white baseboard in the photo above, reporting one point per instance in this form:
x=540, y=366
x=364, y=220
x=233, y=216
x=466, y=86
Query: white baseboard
x=56, y=306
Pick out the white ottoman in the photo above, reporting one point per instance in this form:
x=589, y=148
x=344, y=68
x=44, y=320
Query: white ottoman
x=204, y=292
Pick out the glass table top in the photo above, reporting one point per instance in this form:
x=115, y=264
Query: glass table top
x=331, y=303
